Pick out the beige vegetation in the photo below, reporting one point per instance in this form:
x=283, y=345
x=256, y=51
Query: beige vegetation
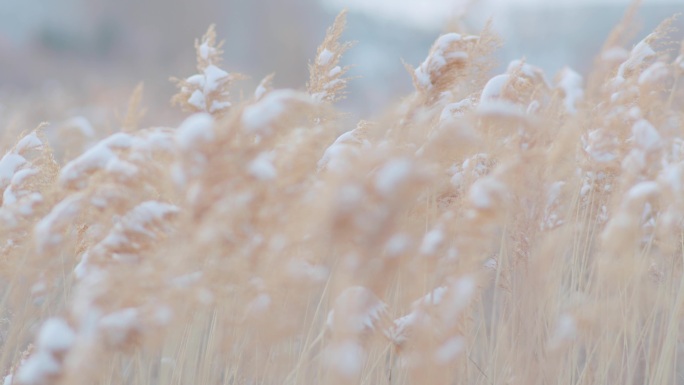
x=489, y=229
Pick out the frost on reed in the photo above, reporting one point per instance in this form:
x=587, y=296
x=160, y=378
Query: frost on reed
x=326, y=76
x=208, y=89
x=510, y=228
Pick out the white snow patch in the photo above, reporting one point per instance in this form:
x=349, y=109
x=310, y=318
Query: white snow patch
x=260, y=92
x=646, y=136
x=334, y=83
x=196, y=80
x=599, y=146
x=325, y=57
x=33, y=199
x=454, y=110
x=300, y=269
x=81, y=124
x=28, y=142
x=397, y=245
x=398, y=333
x=494, y=87
x=443, y=42
x=654, y=73
x=259, y=305
x=258, y=117
x=431, y=241
x=335, y=71
x=37, y=368
x=82, y=269
x=196, y=99
x=438, y=59
x=643, y=190
x=349, y=196
x=334, y=156
x=195, y=130
x=637, y=56
x=9, y=195
x=485, y=193
x=218, y=106
x=501, y=108
x=319, y=96
x=570, y=83
x=62, y=212
x=432, y=298
x=163, y=315
x=214, y=77
x=554, y=192
x=145, y=213
x=356, y=310
x=262, y=167
x=117, y=166
x=8, y=166
x=672, y=175
x=117, y=326
x=566, y=329
x=461, y=292
x=526, y=69
x=187, y=280
x=615, y=54
x=97, y=157
x=55, y=335
x=20, y=175
x=135, y=221
x=680, y=62
x=449, y=350
x=205, y=50
x=345, y=357
x=392, y=174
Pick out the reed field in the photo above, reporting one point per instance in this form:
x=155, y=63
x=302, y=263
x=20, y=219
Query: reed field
x=492, y=227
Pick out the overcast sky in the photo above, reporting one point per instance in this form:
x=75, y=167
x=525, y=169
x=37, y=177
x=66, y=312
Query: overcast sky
x=431, y=14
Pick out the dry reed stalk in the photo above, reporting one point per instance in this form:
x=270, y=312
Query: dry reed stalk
x=488, y=229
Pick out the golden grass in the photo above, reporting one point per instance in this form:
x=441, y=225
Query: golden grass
x=489, y=229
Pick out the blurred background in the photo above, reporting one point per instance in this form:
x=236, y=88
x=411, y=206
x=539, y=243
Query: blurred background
x=65, y=58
